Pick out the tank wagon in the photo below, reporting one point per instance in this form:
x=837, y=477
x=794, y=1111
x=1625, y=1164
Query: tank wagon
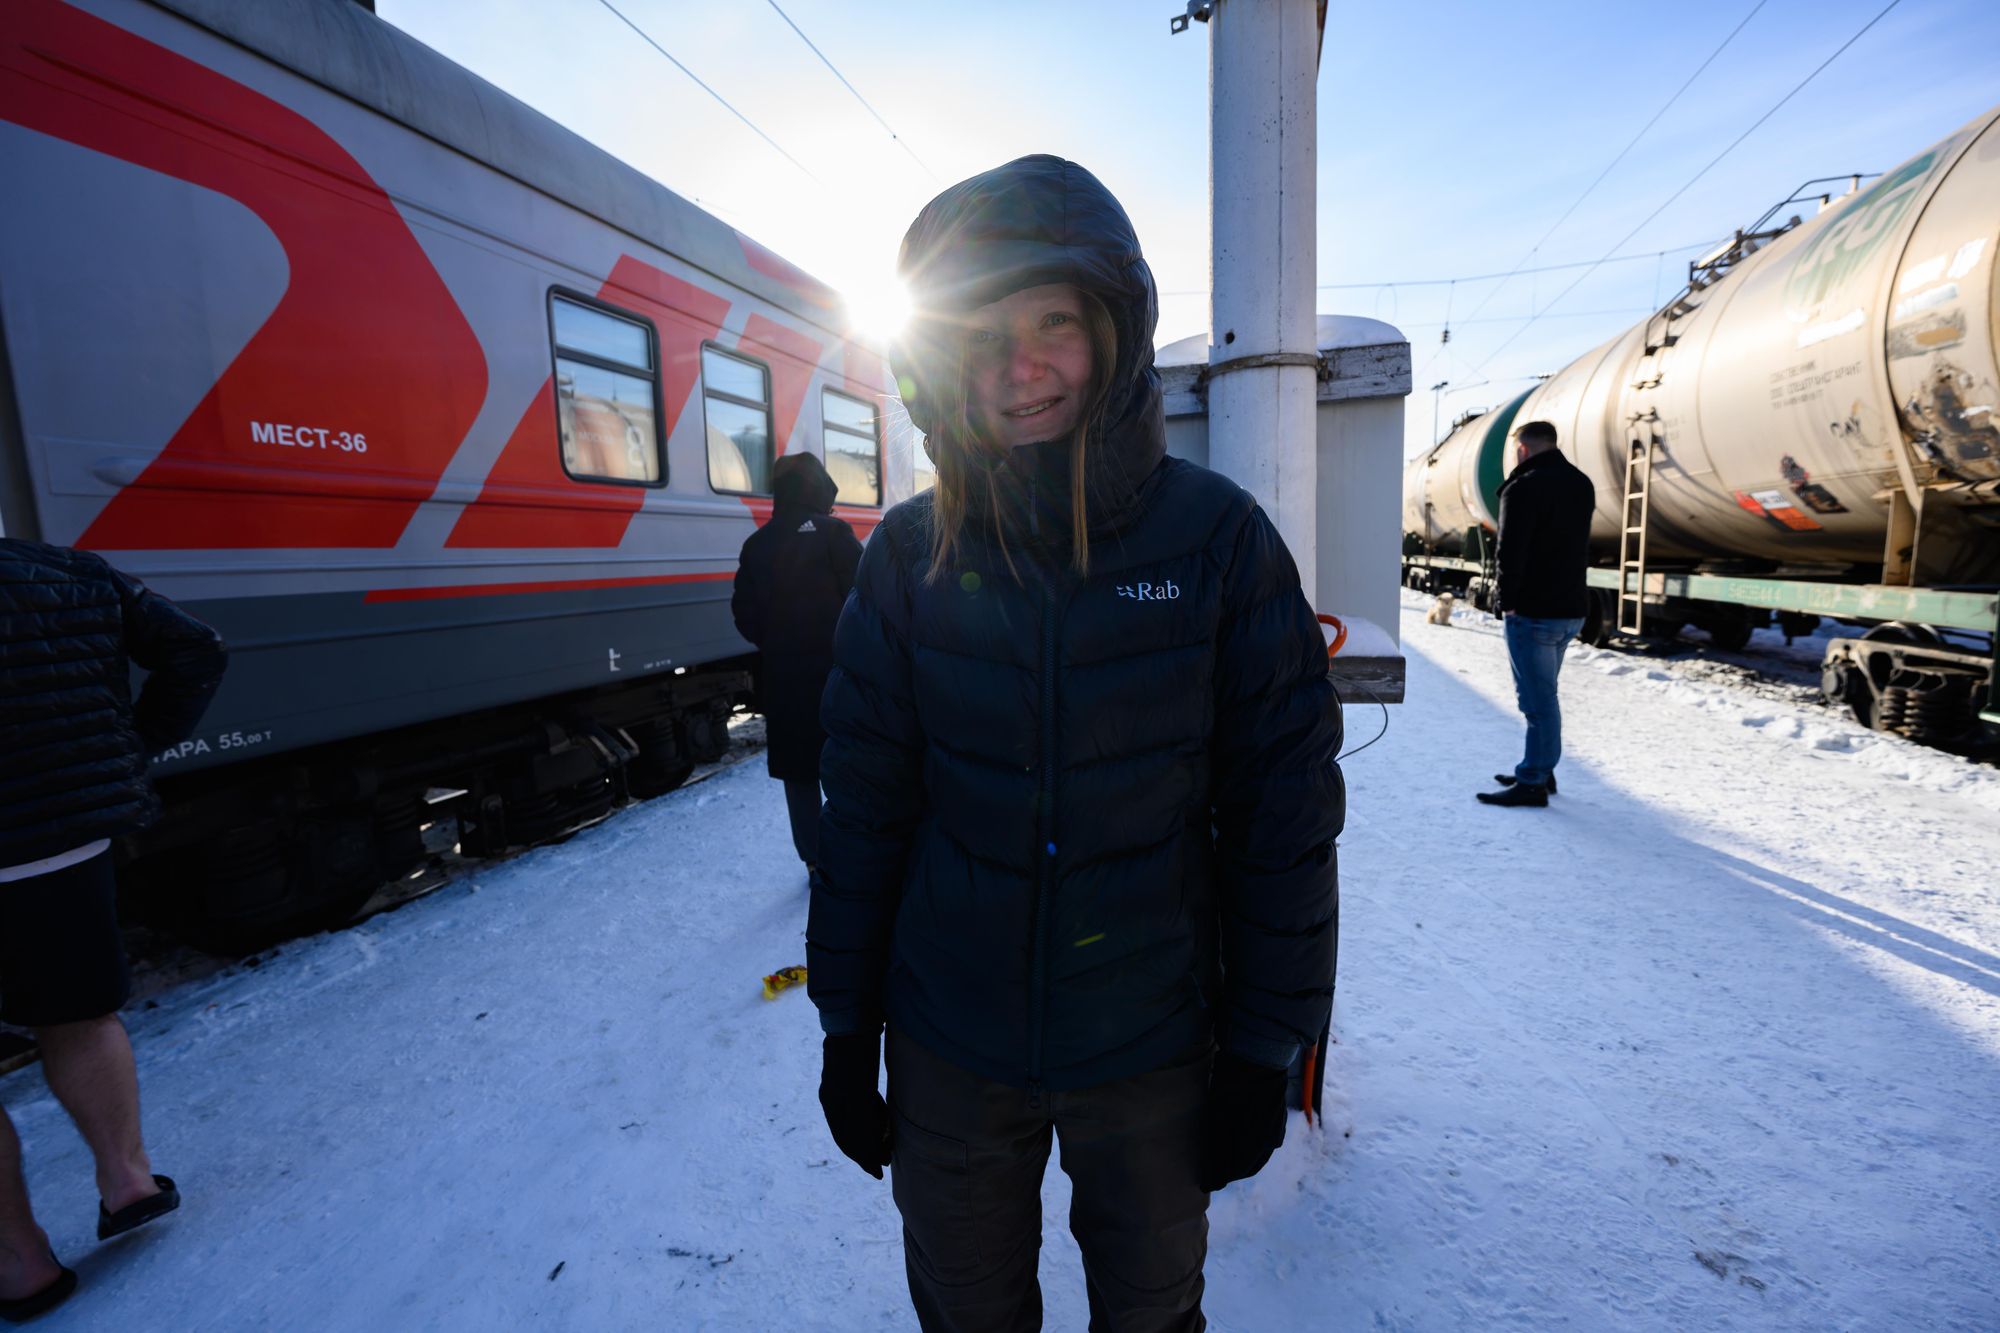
x=1808, y=429
x=449, y=421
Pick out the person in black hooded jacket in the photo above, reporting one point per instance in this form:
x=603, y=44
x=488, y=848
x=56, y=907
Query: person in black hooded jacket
x=791, y=579
x=1078, y=846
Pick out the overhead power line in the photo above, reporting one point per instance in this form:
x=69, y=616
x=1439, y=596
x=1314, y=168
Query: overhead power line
x=711, y=92
x=1514, y=319
x=1796, y=89
x=857, y=93
x=1632, y=143
x=1479, y=277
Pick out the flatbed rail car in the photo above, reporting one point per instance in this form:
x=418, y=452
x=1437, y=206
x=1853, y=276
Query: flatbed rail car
x=449, y=421
x=1810, y=428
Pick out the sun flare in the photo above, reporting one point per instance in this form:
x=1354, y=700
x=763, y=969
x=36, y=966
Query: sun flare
x=878, y=310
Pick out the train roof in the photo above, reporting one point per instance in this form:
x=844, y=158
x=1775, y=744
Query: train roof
x=343, y=47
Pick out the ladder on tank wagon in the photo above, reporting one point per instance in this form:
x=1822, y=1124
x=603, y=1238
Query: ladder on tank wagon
x=1632, y=536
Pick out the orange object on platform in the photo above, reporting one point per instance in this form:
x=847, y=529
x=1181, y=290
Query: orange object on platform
x=1339, y=633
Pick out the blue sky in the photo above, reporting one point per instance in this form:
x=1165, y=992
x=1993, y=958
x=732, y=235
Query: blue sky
x=1451, y=134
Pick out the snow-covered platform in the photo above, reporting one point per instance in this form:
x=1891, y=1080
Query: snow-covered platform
x=1712, y=1042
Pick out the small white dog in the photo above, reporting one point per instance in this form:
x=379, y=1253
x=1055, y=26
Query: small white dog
x=1441, y=613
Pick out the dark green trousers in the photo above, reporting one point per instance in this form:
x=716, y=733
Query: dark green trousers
x=967, y=1161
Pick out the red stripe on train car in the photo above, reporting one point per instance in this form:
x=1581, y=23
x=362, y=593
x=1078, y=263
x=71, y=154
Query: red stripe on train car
x=556, y=585
x=335, y=421
x=801, y=283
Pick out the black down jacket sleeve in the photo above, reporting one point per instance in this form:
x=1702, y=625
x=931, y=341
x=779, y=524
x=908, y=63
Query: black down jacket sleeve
x=1278, y=805
x=184, y=659
x=872, y=773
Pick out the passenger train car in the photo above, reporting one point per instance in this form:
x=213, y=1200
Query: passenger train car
x=450, y=422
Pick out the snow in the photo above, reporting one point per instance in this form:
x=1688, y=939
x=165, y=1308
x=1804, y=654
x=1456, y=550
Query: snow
x=1712, y=1042
x=1332, y=332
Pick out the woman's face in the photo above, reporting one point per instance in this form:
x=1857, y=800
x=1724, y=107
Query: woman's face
x=1028, y=366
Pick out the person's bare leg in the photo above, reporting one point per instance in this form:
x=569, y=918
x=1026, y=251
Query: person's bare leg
x=90, y=1070
x=25, y=1265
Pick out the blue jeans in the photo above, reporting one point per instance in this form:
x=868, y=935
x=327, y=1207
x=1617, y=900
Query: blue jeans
x=1535, y=649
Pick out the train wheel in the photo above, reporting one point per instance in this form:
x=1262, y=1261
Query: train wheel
x=1732, y=636
x=662, y=764
x=259, y=884
x=706, y=731
x=656, y=781
x=1599, y=617
x=1844, y=683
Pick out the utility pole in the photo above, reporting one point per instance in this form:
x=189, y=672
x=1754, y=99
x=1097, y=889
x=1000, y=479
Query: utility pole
x=1436, y=390
x=1263, y=369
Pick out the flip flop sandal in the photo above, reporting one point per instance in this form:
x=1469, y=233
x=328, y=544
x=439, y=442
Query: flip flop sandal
x=132, y=1215
x=43, y=1301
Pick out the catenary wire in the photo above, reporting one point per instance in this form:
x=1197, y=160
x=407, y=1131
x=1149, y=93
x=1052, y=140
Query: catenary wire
x=900, y=141
x=1796, y=90
x=711, y=92
x=1632, y=143
x=1477, y=277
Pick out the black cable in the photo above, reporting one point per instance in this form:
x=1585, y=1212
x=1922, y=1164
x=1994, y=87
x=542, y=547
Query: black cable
x=1478, y=277
x=711, y=92
x=1349, y=680
x=1510, y=319
x=1630, y=145
x=857, y=93
x=1798, y=88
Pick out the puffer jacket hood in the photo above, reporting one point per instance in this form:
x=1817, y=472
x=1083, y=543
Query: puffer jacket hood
x=1036, y=220
x=801, y=481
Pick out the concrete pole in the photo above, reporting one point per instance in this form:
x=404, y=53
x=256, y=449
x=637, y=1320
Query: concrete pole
x=1263, y=176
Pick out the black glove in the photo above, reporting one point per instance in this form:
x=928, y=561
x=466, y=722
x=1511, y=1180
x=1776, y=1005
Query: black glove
x=855, y=1111
x=1246, y=1120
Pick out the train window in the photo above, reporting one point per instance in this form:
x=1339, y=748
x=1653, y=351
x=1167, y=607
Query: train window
x=607, y=394
x=853, y=448
x=736, y=402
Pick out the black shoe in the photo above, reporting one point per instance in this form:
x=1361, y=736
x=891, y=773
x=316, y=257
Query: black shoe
x=41, y=1302
x=133, y=1215
x=1521, y=793
x=1508, y=780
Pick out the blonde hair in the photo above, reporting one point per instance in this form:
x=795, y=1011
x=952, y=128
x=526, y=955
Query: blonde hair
x=957, y=450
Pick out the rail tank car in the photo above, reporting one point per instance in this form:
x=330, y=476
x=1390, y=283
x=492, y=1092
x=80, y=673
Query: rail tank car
x=1818, y=403
x=449, y=421
x=1455, y=488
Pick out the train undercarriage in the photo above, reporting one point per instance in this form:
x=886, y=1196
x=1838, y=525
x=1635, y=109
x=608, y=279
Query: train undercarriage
x=266, y=850
x=1929, y=678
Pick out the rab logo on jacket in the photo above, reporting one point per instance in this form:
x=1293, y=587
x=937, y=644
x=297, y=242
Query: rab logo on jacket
x=1150, y=592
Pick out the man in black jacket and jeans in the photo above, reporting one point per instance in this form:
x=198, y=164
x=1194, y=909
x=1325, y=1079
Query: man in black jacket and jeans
x=73, y=751
x=1545, y=510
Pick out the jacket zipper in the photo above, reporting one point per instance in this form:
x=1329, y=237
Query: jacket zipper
x=1045, y=851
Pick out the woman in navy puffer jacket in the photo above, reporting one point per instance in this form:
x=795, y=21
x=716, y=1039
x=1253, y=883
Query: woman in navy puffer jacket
x=1078, y=848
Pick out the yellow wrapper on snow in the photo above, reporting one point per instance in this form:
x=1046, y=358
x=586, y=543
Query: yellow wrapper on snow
x=783, y=979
